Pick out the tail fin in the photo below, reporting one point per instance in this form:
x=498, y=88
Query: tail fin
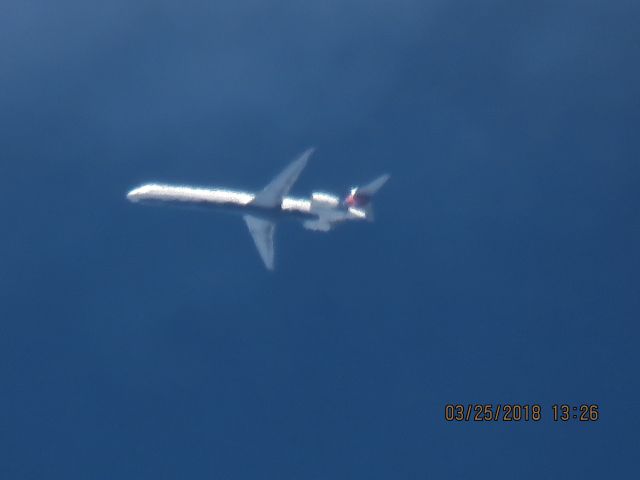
x=359, y=198
x=372, y=187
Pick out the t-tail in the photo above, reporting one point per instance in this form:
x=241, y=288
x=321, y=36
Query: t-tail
x=359, y=198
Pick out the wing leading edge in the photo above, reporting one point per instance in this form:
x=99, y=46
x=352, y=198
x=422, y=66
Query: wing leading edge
x=272, y=194
x=262, y=231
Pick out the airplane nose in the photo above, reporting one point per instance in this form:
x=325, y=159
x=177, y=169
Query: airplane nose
x=132, y=196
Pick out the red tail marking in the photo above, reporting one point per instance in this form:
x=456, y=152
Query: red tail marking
x=356, y=200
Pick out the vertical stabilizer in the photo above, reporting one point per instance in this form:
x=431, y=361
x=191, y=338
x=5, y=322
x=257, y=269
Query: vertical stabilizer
x=360, y=197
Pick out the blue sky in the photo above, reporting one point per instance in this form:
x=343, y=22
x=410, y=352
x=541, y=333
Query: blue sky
x=502, y=266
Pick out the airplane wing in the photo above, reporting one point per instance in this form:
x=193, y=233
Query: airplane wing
x=262, y=232
x=271, y=195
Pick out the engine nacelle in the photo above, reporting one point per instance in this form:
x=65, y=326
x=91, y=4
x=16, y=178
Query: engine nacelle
x=321, y=200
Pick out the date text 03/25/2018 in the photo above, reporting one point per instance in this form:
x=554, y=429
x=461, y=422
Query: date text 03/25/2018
x=515, y=412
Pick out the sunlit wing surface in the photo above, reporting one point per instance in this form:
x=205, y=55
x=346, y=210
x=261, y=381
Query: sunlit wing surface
x=271, y=196
x=262, y=232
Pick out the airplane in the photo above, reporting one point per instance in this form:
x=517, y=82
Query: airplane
x=260, y=211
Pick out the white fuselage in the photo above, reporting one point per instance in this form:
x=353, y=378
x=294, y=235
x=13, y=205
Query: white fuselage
x=318, y=212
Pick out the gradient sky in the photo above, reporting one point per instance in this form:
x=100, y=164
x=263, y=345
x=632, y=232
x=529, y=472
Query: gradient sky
x=502, y=267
